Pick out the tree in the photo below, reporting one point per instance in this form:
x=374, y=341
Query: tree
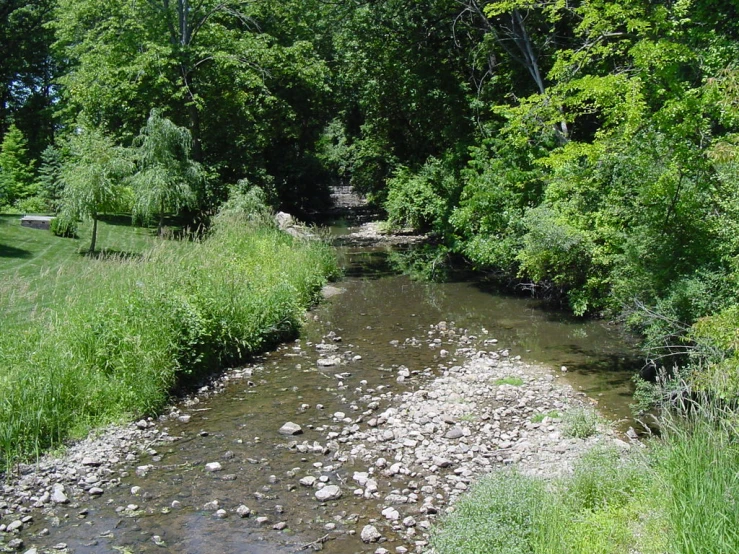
x=166, y=175
x=27, y=70
x=251, y=98
x=94, y=178
x=49, y=176
x=16, y=171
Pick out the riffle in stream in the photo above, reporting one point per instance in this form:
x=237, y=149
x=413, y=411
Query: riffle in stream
x=379, y=336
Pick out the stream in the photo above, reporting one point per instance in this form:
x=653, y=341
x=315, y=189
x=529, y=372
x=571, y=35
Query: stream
x=374, y=324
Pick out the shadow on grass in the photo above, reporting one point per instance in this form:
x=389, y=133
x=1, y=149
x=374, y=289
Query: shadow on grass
x=117, y=219
x=12, y=252
x=111, y=254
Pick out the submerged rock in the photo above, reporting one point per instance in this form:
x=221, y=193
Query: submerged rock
x=329, y=492
x=290, y=428
x=370, y=534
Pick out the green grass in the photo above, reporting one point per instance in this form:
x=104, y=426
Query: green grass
x=510, y=380
x=36, y=267
x=538, y=418
x=115, y=334
x=580, y=423
x=596, y=510
x=679, y=495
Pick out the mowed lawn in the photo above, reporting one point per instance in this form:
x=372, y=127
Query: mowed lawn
x=36, y=266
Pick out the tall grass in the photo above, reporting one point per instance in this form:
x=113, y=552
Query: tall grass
x=697, y=460
x=680, y=495
x=129, y=330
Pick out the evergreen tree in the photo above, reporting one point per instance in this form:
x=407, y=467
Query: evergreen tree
x=16, y=171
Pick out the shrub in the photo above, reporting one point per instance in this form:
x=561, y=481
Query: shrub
x=580, y=423
x=63, y=227
x=33, y=205
x=423, y=200
x=498, y=515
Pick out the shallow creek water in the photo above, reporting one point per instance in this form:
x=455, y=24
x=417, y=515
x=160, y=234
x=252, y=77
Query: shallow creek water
x=381, y=317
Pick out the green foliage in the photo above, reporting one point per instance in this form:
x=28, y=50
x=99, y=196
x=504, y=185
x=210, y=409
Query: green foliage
x=609, y=505
x=498, y=515
x=62, y=227
x=247, y=203
x=33, y=205
x=510, y=380
x=16, y=170
x=49, y=180
x=167, y=178
x=422, y=200
x=116, y=340
x=94, y=178
x=499, y=183
x=696, y=462
x=538, y=418
x=580, y=423
x=240, y=76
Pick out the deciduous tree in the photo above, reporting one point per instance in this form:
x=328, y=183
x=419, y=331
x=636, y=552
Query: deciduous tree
x=166, y=176
x=94, y=177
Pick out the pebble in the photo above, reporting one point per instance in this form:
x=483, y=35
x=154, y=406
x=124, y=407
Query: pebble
x=243, y=511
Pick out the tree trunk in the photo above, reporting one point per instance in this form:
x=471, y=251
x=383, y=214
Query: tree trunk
x=94, y=233
x=161, y=219
x=197, y=151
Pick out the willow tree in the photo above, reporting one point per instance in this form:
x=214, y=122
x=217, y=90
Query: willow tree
x=166, y=174
x=94, y=178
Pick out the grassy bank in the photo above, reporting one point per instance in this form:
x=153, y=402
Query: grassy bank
x=114, y=335
x=679, y=495
x=38, y=268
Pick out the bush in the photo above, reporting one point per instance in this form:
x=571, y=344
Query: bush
x=580, y=423
x=423, y=200
x=498, y=515
x=609, y=505
x=33, y=205
x=63, y=227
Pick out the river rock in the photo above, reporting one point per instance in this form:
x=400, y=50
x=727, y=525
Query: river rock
x=329, y=361
x=290, y=428
x=329, y=492
x=243, y=511
x=308, y=481
x=370, y=534
x=212, y=467
x=454, y=433
x=16, y=525
x=391, y=513
x=58, y=495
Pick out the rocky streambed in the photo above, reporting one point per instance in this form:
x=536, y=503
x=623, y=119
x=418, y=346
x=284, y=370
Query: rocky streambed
x=355, y=438
x=373, y=477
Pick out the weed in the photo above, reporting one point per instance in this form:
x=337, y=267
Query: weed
x=580, y=423
x=538, y=418
x=510, y=380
